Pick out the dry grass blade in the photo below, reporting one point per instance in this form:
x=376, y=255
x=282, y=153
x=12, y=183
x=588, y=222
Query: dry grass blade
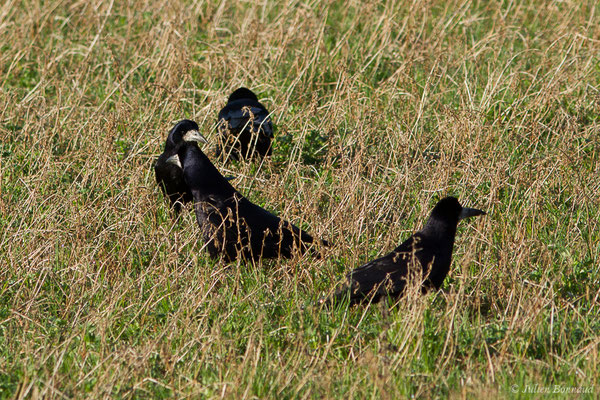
x=380, y=110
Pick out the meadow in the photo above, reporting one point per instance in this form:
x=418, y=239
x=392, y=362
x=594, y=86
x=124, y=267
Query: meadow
x=380, y=109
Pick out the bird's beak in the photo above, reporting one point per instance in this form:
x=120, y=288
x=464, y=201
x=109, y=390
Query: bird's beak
x=470, y=212
x=194, y=136
x=174, y=160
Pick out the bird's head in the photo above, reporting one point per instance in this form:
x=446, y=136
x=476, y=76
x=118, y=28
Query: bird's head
x=449, y=209
x=186, y=132
x=242, y=93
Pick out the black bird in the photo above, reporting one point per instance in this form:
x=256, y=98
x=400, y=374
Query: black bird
x=231, y=225
x=169, y=175
x=244, y=127
x=425, y=256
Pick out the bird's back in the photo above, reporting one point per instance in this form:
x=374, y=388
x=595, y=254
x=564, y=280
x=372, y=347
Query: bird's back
x=245, y=129
x=231, y=223
x=239, y=112
x=389, y=275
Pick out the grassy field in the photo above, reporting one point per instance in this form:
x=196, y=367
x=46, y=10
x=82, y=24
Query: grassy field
x=380, y=110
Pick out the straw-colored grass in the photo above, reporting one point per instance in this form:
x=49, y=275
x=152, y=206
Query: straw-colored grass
x=380, y=110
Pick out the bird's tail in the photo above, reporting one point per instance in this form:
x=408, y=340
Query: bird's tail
x=307, y=244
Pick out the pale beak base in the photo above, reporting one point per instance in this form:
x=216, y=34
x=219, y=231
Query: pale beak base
x=194, y=136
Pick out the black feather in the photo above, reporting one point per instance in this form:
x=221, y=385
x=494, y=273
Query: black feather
x=231, y=225
x=244, y=126
x=170, y=176
x=425, y=256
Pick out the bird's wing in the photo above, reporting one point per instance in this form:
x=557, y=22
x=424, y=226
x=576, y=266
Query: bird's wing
x=270, y=229
x=237, y=116
x=385, y=275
